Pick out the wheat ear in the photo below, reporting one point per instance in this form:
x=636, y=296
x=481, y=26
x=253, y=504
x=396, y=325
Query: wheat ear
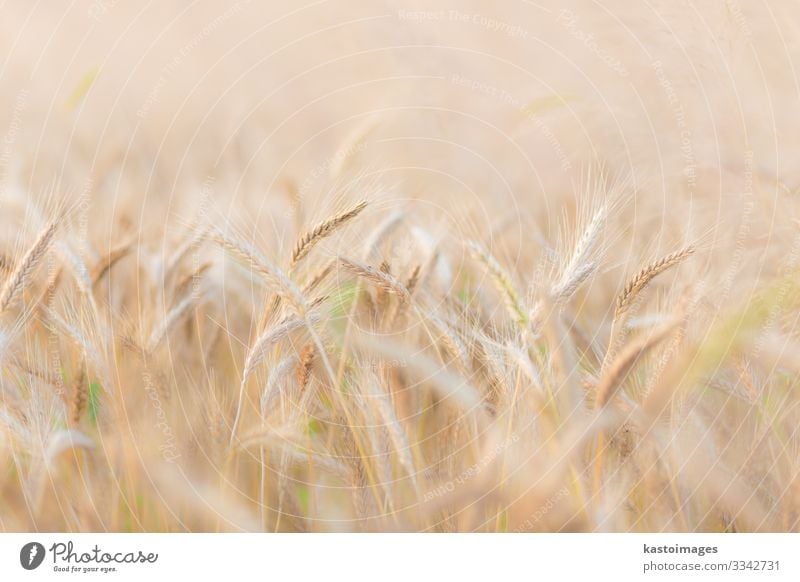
x=632, y=290
x=637, y=284
x=80, y=394
x=113, y=257
x=272, y=274
x=322, y=230
x=383, y=280
x=6, y=265
x=304, y=366
x=27, y=265
x=502, y=280
x=173, y=316
x=271, y=309
x=625, y=362
x=257, y=354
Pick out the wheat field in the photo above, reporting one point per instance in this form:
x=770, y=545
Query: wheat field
x=383, y=266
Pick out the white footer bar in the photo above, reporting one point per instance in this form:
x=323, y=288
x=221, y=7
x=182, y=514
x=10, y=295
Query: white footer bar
x=401, y=557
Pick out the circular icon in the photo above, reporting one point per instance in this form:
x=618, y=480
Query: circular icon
x=31, y=555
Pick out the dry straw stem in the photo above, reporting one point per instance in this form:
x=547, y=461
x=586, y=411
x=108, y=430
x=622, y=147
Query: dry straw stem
x=616, y=372
x=324, y=229
x=502, y=280
x=383, y=280
x=19, y=277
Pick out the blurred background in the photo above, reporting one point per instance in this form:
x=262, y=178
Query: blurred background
x=493, y=110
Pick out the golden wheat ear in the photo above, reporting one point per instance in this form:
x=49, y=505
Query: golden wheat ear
x=6, y=265
x=111, y=259
x=634, y=288
x=25, y=268
x=627, y=360
x=379, y=278
x=637, y=284
x=323, y=230
x=304, y=366
x=502, y=281
x=80, y=394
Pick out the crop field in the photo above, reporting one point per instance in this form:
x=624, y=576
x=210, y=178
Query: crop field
x=384, y=266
